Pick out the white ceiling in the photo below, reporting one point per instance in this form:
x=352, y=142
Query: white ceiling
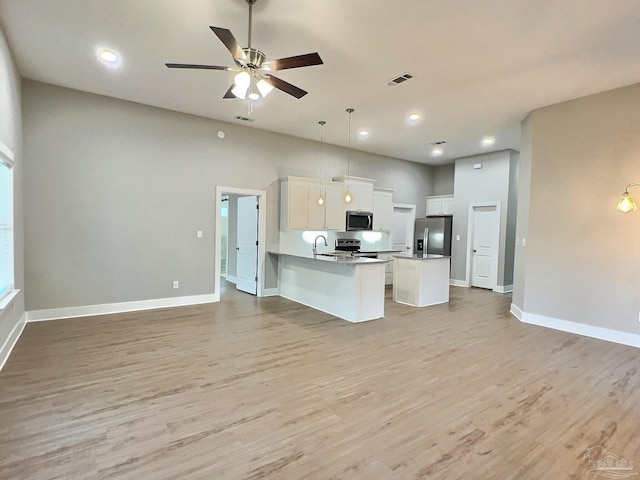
x=479, y=66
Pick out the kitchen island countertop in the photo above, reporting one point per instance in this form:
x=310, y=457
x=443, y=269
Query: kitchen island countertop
x=341, y=259
x=430, y=256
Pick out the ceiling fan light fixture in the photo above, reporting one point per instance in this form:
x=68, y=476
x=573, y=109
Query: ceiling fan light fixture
x=264, y=87
x=240, y=92
x=242, y=79
x=254, y=96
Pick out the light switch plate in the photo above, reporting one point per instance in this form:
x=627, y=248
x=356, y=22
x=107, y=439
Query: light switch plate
x=199, y=233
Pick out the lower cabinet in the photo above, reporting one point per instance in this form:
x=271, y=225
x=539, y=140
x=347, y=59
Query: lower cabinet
x=388, y=271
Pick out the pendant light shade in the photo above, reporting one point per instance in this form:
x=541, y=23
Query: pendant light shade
x=626, y=203
x=320, y=196
x=347, y=194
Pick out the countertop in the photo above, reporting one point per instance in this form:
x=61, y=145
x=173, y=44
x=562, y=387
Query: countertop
x=380, y=251
x=430, y=256
x=341, y=259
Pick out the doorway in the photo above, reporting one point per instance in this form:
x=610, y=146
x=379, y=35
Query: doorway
x=483, y=245
x=403, y=222
x=246, y=236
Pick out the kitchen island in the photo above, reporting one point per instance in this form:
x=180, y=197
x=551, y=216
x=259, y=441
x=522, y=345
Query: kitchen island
x=421, y=280
x=351, y=288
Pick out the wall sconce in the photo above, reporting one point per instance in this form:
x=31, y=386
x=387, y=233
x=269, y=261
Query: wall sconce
x=626, y=203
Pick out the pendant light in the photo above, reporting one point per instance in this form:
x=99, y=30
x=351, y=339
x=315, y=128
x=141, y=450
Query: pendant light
x=347, y=194
x=320, y=197
x=626, y=203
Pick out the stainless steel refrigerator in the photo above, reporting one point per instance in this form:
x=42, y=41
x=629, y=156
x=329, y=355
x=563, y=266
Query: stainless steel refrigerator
x=432, y=235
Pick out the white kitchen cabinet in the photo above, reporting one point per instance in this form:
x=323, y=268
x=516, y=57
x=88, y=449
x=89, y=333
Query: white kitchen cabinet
x=361, y=192
x=299, y=208
x=295, y=195
x=440, y=205
x=382, y=209
x=334, y=206
x=388, y=270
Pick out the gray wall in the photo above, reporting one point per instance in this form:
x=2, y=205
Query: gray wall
x=581, y=257
x=11, y=135
x=495, y=181
x=443, y=179
x=115, y=192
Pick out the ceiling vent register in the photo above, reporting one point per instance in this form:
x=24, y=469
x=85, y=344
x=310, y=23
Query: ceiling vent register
x=399, y=79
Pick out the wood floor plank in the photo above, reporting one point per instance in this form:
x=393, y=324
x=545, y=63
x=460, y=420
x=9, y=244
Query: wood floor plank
x=255, y=388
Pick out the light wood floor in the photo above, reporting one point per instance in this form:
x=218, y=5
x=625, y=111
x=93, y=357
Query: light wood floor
x=268, y=389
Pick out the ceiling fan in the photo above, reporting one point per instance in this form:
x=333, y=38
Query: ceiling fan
x=252, y=67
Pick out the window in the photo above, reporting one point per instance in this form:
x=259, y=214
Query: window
x=6, y=222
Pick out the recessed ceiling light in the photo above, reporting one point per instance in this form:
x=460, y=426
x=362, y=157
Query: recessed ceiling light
x=363, y=133
x=488, y=141
x=109, y=57
x=436, y=152
x=415, y=116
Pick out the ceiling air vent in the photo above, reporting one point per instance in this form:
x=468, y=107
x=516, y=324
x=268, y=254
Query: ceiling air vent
x=243, y=119
x=439, y=142
x=399, y=79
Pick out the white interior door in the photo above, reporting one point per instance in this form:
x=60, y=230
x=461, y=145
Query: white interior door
x=247, y=248
x=403, y=222
x=484, y=246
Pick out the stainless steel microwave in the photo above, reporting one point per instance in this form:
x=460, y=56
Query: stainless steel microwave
x=359, y=220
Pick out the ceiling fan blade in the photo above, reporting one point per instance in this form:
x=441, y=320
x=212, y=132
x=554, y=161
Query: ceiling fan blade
x=229, y=41
x=229, y=94
x=305, y=60
x=286, y=87
x=198, y=67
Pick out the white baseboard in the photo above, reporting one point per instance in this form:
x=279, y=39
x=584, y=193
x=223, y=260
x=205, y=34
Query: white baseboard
x=458, y=283
x=615, y=336
x=270, y=292
x=516, y=312
x=503, y=289
x=231, y=278
x=11, y=340
x=89, y=310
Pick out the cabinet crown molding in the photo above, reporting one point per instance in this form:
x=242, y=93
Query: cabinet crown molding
x=345, y=178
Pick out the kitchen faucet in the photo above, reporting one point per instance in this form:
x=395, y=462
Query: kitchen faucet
x=315, y=242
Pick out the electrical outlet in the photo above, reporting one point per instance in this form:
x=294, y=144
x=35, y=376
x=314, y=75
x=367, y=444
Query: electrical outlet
x=176, y=284
x=524, y=242
x=457, y=238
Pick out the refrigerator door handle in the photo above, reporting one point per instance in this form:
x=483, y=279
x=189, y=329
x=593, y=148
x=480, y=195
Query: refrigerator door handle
x=426, y=240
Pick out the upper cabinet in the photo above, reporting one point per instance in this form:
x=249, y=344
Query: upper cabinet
x=361, y=190
x=440, y=205
x=300, y=210
x=299, y=207
x=382, y=209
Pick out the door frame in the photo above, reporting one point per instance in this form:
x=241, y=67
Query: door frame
x=262, y=234
x=412, y=212
x=470, y=232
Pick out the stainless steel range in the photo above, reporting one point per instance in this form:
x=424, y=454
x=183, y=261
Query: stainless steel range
x=351, y=246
